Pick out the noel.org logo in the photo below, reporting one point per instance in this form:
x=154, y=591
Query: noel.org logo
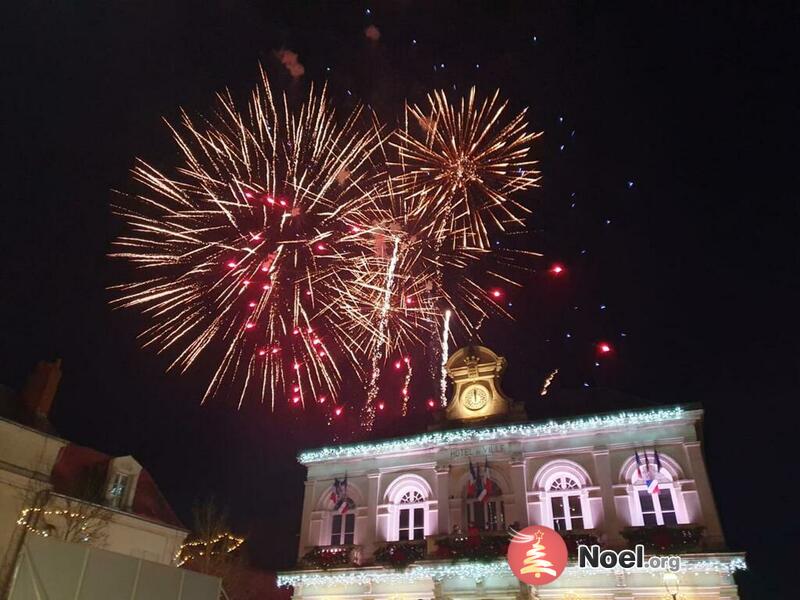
x=537, y=555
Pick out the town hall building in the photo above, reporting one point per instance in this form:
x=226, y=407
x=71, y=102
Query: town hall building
x=428, y=516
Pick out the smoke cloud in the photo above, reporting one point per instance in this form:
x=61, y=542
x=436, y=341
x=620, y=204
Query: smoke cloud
x=289, y=60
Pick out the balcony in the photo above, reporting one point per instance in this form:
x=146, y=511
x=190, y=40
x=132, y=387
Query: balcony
x=331, y=557
x=477, y=546
x=578, y=537
x=678, y=539
x=400, y=554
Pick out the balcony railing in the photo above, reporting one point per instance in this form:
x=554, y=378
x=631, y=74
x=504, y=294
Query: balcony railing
x=330, y=557
x=481, y=545
x=578, y=537
x=400, y=554
x=664, y=538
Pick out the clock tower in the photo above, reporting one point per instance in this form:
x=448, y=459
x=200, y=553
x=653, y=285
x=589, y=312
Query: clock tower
x=476, y=372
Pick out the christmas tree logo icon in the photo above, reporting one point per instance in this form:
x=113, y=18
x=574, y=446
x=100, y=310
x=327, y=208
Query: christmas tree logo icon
x=537, y=555
x=535, y=561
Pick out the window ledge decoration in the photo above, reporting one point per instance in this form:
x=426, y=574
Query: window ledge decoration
x=330, y=557
x=480, y=546
x=663, y=538
x=400, y=554
x=500, y=432
x=578, y=537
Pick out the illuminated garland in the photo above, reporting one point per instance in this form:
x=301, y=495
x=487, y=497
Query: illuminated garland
x=478, y=571
x=521, y=430
x=232, y=541
x=23, y=517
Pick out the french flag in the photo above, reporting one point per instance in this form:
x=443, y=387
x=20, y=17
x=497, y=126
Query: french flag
x=486, y=490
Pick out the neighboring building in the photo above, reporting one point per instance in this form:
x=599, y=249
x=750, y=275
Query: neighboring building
x=418, y=525
x=52, y=488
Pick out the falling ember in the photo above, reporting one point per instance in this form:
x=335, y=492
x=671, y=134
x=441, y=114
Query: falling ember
x=547, y=382
x=372, y=390
x=445, y=352
x=249, y=325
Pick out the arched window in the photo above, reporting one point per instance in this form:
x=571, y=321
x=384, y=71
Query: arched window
x=487, y=513
x=564, y=493
x=565, y=503
x=655, y=501
x=654, y=482
x=409, y=496
x=411, y=521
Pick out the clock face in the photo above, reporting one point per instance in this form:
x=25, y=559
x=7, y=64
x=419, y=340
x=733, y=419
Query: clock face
x=475, y=397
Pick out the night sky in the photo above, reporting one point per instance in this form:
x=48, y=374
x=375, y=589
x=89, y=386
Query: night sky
x=670, y=138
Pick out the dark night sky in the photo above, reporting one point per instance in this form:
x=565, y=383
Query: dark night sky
x=690, y=101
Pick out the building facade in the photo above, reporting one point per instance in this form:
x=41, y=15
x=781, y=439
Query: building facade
x=54, y=489
x=428, y=516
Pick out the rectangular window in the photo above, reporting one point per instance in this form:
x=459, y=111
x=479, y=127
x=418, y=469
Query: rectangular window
x=419, y=523
x=343, y=529
x=118, y=488
x=648, y=508
x=575, y=514
x=667, y=507
x=336, y=530
x=349, y=528
x=559, y=519
x=405, y=517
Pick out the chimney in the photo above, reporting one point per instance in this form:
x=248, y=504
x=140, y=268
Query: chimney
x=40, y=389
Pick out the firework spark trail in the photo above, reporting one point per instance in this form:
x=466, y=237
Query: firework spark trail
x=287, y=239
x=465, y=160
x=230, y=249
x=405, y=392
x=372, y=390
x=445, y=355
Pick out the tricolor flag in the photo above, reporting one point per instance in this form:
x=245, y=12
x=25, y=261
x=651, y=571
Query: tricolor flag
x=472, y=485
x=487, y=483
x=651, y=481
x=341, y=503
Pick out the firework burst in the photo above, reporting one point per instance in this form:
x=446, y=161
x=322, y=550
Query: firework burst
x=467, y=160
x=230, y=249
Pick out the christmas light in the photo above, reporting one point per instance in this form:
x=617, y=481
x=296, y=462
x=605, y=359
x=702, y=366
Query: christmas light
x=557, y=269
x=479, y=571
x=499, y=432
x=232, y=543
x=603, y=348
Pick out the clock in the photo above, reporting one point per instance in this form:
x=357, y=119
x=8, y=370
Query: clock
x=475, y=396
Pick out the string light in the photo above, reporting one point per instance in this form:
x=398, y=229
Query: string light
x=68, y=514
x=478, y=571
x=233, y=543
x=521, y=430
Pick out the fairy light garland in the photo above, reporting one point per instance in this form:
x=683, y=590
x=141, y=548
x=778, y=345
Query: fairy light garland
x=521, y=430
x=233, y=541
x=478, y=571
x=23, y=518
